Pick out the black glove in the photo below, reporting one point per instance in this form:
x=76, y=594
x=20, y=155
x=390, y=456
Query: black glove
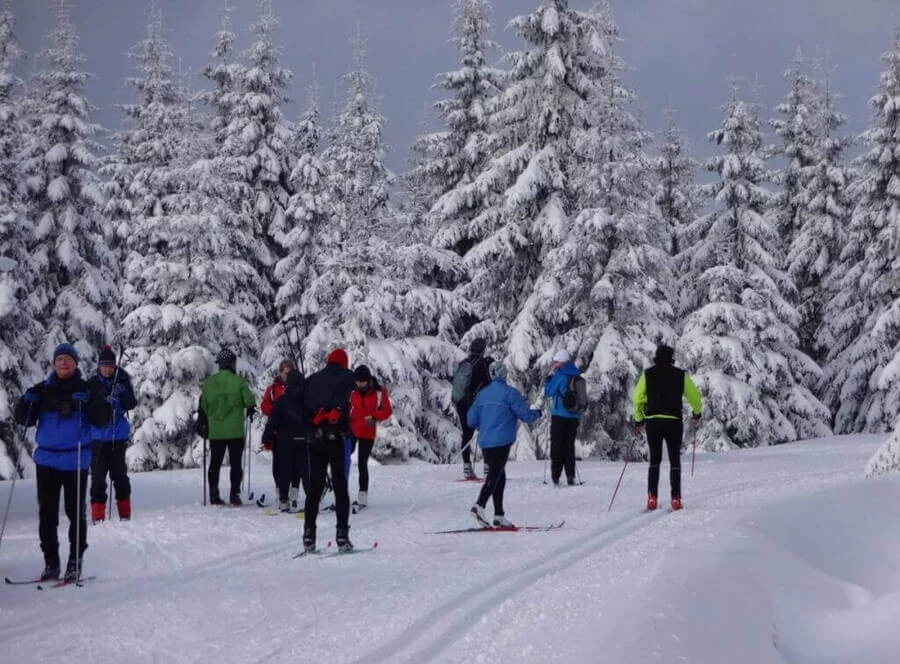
x=638, y=428
x=696, y=416
x=251, y=413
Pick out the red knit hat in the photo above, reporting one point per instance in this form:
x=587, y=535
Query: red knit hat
x=338, y=356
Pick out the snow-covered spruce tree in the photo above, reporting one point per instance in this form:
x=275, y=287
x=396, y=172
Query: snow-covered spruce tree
x=19, y=331
x=314, y=234
x=739, y=340
x=222, y=73
x=887, y=458
x=858, y=316
x=600, y=292
x=825, y=216
x=676, y=197
x=452, y=158
x=139, y=175
x=74, y=289
x=363, y=296
x=254, y=153
x=798, y=133
x=861, y=374
x=192, y=290
x=192, y=287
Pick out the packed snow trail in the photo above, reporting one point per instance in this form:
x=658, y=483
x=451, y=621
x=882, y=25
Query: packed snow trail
x=781, y=555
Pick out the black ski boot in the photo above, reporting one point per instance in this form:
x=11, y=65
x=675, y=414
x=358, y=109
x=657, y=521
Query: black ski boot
x=73, y=571
x=342, y=540
x=51, y=571
x=309, y=539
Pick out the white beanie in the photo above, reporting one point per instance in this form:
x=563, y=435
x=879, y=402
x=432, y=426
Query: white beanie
x=562, y=356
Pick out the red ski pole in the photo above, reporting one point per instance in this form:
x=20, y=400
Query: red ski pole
x=622, y=474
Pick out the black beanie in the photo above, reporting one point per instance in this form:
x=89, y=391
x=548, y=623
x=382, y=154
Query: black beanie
x=107, y=356
x=362, y=373
x=478, y=346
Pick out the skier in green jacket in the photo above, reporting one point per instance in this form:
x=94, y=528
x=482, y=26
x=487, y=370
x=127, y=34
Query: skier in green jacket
x=224, y=398
x=657, y=399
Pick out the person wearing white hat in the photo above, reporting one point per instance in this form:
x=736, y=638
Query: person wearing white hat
x=562, y=386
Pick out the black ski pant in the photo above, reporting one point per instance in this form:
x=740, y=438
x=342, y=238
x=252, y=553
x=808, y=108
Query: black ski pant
x=322, y=455
x=462, y=409
x=235, y=447
x=109, y=458
x=49, y=483
x=293, y=466
x=562, y=447
x=362, y=460
x=495, y=482
x=670, y=432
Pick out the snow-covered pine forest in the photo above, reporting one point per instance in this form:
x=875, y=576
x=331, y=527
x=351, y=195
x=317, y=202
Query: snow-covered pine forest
x=537, y=212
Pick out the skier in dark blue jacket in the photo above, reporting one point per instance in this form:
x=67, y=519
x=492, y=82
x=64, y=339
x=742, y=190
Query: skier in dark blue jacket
x=563, y=423
x=64, y=408
x=110, y=441
x=496, y=413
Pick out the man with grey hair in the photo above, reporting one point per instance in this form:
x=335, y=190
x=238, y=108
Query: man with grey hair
x=496, y=413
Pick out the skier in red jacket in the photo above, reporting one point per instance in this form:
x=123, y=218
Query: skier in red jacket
x=369, y=404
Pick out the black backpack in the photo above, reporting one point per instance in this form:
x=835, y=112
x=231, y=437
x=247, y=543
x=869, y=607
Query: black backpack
x=575, y=398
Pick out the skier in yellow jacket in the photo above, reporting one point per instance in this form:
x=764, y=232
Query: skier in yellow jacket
x=657, y=400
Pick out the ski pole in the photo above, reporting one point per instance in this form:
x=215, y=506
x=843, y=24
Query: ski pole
x=204, y=471
x=622, y=474
x=79, y=508
x=12, y=486
x=693, y=451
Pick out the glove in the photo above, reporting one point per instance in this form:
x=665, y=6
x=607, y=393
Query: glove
x=80, y=397
x=251, y=413
x=370, y=420
x=118, y=389
x=638, y=428
x=696, y=416
x=267, y=445
x=31, y=397
x=112, y=401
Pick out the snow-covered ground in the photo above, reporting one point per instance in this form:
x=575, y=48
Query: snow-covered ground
x=781, y=555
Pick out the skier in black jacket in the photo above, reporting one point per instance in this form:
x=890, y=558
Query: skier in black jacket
x=288, y=431
x=481, y=378
x=327, y=398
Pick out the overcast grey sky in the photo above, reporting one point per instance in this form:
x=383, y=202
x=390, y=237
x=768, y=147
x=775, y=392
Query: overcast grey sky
x=679, y=50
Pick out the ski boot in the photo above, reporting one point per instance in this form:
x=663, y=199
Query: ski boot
x=124, y=508
x=98, y=512
x=284, y=506
x=500, y=521
x=51, y=571
x=651, y=503
x=342, y=540
x=676, y=504
x=235, y=500
x=73, y=570
x=294, y=500
x=478, y=512
x=309, y=539
x=468, y=471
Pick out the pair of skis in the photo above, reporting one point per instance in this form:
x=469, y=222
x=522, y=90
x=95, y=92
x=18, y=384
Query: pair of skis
x=328, y=552
x=499, y=529
x=49, y=584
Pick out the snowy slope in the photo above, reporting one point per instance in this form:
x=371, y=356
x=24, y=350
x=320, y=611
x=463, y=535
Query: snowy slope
x=781, y=555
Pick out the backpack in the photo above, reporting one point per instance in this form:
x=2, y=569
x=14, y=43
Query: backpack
x=462, y=382
x=575, y=398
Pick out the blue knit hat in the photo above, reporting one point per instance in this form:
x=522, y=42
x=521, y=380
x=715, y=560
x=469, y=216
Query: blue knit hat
x=66, y=349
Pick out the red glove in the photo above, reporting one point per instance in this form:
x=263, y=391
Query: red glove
x=267, y=446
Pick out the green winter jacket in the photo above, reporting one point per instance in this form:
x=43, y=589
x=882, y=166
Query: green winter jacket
x=223, y=399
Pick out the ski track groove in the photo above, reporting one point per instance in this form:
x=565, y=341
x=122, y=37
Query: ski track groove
x=129, y=588
x=473, y=605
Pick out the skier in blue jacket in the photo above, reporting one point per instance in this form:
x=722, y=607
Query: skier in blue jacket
x=110, y=442
x=563, y=423
x=64, y=407
x=496, y=413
